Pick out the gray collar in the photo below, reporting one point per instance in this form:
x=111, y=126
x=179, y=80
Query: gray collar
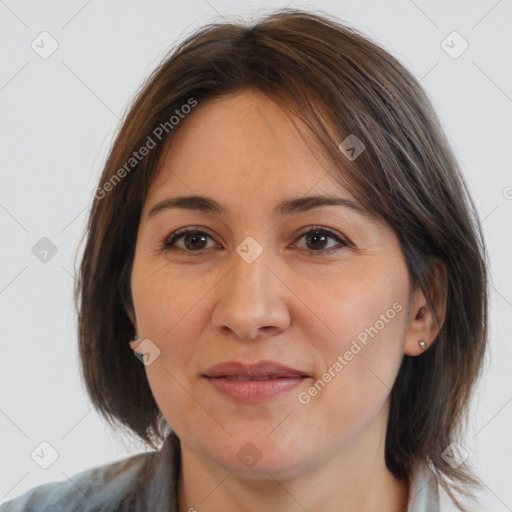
x=423, y=490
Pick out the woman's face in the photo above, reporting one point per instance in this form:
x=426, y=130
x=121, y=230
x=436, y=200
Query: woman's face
x=253, y=286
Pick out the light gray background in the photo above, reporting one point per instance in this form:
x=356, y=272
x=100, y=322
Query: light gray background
x=58, y=118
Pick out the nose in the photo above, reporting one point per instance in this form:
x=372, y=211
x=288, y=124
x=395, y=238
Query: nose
x=252, y=301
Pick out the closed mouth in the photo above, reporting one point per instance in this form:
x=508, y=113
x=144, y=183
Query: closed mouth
x=245, y=378
x=263, y=370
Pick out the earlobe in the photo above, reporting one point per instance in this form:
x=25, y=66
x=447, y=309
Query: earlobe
x=135, y=341
x=422, y=331
x=418, y=345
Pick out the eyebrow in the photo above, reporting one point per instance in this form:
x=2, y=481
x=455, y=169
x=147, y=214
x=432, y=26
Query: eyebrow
x=285, y=207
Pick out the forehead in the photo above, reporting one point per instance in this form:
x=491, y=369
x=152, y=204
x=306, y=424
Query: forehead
x=239, y=145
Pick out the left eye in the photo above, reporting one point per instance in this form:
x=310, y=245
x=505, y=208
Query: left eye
x=195, y=240
x=319, y=236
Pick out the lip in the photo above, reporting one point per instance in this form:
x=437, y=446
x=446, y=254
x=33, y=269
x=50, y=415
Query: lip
x=234, y=380
x=261, y=369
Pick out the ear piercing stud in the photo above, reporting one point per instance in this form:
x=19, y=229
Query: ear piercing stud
x=422, y=344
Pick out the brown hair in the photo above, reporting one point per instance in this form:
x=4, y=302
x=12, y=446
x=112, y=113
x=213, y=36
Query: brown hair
x=328, y=75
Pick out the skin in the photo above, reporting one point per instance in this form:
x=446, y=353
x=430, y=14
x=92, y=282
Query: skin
x=201, y=306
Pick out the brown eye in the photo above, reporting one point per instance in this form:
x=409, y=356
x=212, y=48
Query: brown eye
x=193, y=240
x=317, y=240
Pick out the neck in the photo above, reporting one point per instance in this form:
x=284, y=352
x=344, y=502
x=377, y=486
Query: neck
x=313, y=493
x=353, y=480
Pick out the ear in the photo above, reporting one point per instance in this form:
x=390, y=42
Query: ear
x=128, y=307
x=135, y=343
x=131, y=314
x=126, y=295
x=425, y=321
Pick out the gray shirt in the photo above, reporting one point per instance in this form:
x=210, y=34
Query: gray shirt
x=148, y=482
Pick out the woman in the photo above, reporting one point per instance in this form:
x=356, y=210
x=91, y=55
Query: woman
x=283, y=239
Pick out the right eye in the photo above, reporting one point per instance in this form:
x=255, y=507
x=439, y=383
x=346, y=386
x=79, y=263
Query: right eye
x=191, y=237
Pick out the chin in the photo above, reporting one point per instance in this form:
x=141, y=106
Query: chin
x=256, y=456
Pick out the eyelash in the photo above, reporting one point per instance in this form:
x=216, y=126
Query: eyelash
x=171, y=239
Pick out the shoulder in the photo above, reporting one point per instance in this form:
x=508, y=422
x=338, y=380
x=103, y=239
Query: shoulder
x=146, y=481
x=100, y=488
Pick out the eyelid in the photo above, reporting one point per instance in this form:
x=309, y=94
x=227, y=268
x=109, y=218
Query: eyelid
x=333, y=234
x=169, y=241
x=175, y=235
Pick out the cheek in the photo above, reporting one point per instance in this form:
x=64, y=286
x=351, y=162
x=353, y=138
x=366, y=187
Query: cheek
x=367, y=328
x=363, y=346
x=364, y=305
x=166, y=305
x=167, y=313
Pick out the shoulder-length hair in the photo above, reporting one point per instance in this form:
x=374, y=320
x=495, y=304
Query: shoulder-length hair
x=331, y=77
